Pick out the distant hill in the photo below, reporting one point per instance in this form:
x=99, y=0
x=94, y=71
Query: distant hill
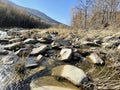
x=15, y=15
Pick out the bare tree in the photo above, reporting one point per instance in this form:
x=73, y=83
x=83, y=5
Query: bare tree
x=113, y=8
x=96, y=13
x=106, y=11
x=83, y=10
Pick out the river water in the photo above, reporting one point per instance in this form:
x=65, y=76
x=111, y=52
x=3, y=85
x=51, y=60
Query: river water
x=7, y=72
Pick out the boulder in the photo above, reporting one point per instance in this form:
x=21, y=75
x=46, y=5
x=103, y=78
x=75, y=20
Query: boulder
x=15, y=40
x=38, y=50
x=39, y=58
x=63, y=42
x=43, y=40
x=23, y=52
x=30, y=41
x=31, y=62
x=9, y=59
x=14, y=46
x=3, y=52
x=35, y=71
x=65, y=54
x=50, y=83
x=94, y=58
x=4, y=41
x=71, y=73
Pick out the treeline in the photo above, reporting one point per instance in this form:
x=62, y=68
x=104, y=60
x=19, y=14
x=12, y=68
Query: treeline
x=15, y=17
x=96, y=14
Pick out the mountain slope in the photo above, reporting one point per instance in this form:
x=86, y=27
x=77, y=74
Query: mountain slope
x=41, y=15
x=11, y=16
x=33, y=12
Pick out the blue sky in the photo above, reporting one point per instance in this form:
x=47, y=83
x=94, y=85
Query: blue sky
x=59, y=10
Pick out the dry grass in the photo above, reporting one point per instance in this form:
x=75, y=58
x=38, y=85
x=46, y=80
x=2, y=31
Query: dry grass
x=104, y=77
x=65, y=32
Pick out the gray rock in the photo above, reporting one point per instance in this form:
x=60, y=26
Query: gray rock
x=34, y=71
x=4, y=41
x=39, y=58
x=14, y=46
x=15, y=40
x=30, y=62
x=30, y=41
x=3, y=52
x=65, y=54
x=63, y=42
x=71, y=73
x=38, y=50
x=87, y=43
x=23, y=52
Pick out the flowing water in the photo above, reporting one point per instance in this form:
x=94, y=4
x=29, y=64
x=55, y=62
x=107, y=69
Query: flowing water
x=6, y=75
x=6, y=71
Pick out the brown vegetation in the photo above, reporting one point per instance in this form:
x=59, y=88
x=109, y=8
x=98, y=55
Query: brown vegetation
x=14, y=17
x=96, y=14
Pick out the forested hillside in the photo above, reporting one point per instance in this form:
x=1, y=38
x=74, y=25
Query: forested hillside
x=15, y=17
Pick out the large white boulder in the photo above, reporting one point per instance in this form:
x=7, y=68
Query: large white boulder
x=65, y=54
x=50, y=83
x=71, y=73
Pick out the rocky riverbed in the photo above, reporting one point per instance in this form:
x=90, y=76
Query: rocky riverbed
x=45, y=60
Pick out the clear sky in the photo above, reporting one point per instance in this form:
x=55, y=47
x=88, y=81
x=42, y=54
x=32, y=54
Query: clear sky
x=59, y=10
